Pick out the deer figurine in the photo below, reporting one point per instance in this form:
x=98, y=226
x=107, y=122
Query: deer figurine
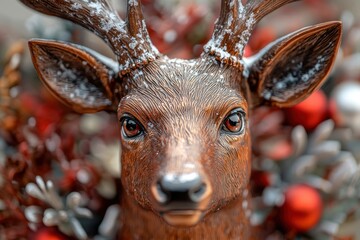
x=186, y=152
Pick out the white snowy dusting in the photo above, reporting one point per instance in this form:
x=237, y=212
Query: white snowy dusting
x=181, y=178
x=133, y=2
x=231, y=27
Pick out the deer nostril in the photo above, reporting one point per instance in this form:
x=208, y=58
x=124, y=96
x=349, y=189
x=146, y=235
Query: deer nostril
x=198, y=192
x=161, y=194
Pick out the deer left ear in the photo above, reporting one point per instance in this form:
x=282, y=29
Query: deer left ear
x=291, y=68
x=78, y=76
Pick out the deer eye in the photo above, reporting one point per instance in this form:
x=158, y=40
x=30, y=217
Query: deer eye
x=130, y=127
x=234, y=122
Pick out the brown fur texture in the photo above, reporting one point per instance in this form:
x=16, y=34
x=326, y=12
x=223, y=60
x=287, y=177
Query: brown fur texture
x=229, y=222
x=182, y=118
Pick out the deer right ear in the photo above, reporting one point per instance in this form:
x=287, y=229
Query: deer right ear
x=76, y=75
x=291, y=68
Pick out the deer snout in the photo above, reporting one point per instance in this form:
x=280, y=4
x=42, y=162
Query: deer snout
x=181, y=190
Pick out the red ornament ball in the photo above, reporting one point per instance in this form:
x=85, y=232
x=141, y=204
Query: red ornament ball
x=48, y=233
x=302, y=208
x=309, y=113
x=248, y=52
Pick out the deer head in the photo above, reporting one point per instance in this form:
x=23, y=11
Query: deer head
x=184, y=123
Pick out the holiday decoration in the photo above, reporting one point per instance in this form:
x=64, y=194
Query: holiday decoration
x=346, y=107
x=309, y=113
x=48, y=234
x=60, y=171
x=302, y=208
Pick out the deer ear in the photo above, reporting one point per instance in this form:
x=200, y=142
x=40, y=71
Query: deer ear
x=78, y=76
x=291, y=68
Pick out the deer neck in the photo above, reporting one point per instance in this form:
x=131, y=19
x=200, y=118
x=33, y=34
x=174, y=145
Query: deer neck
x=229, y=222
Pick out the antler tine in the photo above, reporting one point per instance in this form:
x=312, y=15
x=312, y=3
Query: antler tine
x=132, y=49
x=261, y=8
x=137, y=29
x=234, y=27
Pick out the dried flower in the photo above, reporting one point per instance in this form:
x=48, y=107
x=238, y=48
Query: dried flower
x=65, y=216
x=109, y=225
x=337, y=179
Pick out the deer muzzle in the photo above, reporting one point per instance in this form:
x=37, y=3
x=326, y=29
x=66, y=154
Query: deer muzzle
x=181, y=198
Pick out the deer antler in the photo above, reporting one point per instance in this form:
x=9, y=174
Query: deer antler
x=234, y=27
x=129, y=40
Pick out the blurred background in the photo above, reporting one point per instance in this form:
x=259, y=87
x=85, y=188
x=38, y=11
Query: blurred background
x=305, y=180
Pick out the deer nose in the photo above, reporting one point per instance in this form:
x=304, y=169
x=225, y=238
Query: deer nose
x=184, y=188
